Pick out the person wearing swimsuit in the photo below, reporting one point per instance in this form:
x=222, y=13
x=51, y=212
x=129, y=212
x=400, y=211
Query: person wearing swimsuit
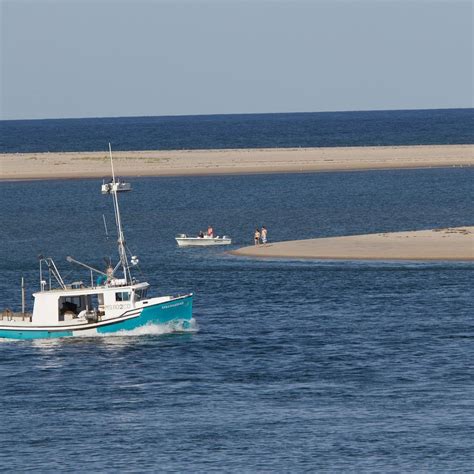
x=257, y=236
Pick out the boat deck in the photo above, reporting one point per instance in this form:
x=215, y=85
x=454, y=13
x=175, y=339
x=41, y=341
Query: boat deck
x=14, y=319
x=9, y=317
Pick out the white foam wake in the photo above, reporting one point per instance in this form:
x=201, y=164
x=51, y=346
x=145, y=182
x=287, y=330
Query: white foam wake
x=159, y=329
x=151, y=329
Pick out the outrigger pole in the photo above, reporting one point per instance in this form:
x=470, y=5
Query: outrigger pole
x=72, y=260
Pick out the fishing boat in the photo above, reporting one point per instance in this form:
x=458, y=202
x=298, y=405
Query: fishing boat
x=114, y=301
x=205, y=241
x=115, y=186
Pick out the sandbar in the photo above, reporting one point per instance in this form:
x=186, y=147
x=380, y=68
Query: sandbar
x=437, y=244
x=70, y=165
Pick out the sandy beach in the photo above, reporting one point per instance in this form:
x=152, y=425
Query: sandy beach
x=17, y=166
x=437, y=244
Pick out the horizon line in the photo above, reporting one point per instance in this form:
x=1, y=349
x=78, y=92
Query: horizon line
x=230, y=114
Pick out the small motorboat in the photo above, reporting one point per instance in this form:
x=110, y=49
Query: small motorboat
x=117, y=186
x=206, y=241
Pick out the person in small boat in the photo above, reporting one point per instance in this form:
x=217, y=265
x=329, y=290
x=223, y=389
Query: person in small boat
x=264, y=234
x=201, y=234
x=210, y=232
x=256, y=236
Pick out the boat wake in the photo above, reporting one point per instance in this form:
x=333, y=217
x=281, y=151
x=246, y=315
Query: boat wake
x=154, y=330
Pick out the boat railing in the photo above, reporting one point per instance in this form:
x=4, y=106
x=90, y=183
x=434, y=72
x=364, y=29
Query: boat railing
x=53, y=272
x=9, y=315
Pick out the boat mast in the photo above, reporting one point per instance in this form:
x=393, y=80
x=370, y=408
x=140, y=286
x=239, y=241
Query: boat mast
x=121, y=238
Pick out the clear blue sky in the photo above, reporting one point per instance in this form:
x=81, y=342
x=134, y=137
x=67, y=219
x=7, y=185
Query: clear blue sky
x=119, y=58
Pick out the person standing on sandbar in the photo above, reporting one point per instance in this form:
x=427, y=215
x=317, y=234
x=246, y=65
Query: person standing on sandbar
x=256, y=236
x=264, y=235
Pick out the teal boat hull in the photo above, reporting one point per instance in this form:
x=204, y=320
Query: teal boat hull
x=176, y=313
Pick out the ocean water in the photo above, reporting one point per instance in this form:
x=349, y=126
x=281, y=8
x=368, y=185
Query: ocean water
x=400, y=127
x=293, y=366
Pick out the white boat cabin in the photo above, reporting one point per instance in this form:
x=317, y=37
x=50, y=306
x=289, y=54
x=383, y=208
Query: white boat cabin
x=80, y=303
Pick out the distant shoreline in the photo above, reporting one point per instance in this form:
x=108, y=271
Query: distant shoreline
x=79, y=165
x=450, y=244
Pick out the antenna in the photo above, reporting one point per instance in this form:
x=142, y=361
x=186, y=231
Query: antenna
x=105, y=225
x=112, y=163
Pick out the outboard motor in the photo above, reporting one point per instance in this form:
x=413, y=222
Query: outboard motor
x=92, y=316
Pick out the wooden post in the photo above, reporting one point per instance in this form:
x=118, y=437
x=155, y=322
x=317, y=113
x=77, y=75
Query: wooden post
x=22, y=295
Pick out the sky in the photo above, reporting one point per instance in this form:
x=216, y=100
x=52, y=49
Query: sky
x=108, y=58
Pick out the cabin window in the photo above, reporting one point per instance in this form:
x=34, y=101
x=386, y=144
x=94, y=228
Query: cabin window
x=73, y=300
x=122, y=296
x=140, y=294
x=70, y=306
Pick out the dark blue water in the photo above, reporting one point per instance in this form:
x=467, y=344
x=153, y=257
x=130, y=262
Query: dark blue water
x=296, y=366
x=402, y=127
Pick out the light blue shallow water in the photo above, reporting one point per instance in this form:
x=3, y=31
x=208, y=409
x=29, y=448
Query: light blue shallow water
x=295, y=366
